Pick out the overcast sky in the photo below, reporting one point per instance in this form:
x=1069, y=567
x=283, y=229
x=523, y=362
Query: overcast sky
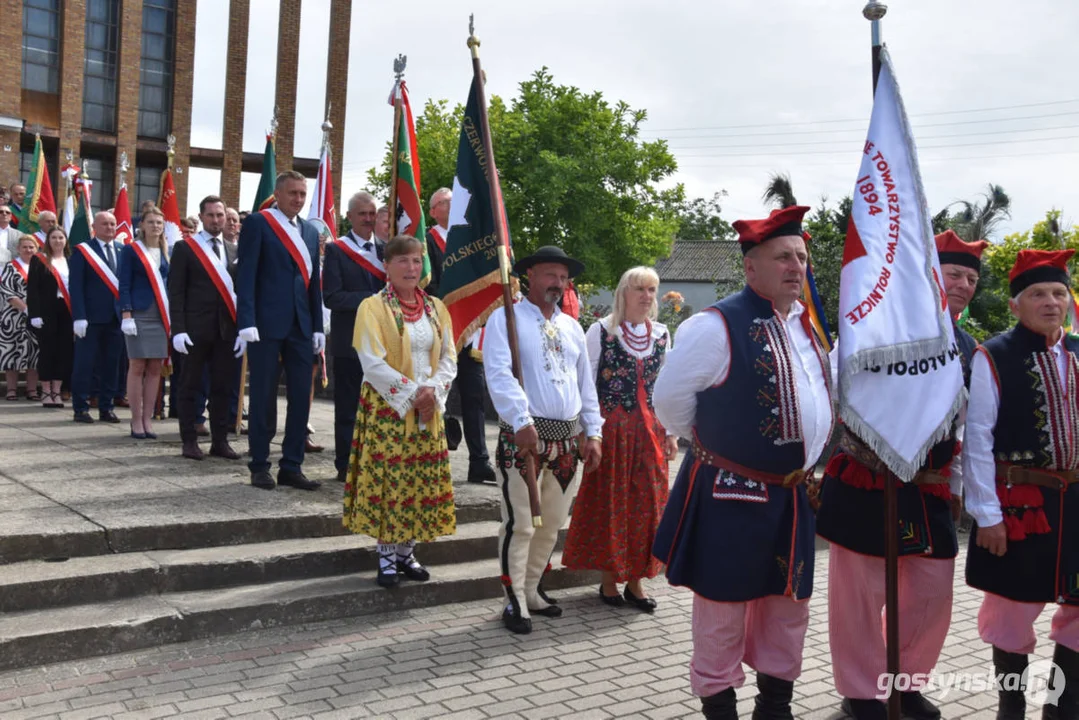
x=739, y=88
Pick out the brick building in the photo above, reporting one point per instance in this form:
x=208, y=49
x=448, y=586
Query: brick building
x=79, y=57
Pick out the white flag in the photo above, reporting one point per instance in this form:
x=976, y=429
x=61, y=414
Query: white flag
x=901, y=378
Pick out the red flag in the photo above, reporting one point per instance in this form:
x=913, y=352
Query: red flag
x=322, y=202
x=171, y=209
x=124, y=229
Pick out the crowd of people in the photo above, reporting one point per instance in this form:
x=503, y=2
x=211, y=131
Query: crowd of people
x=596, y=416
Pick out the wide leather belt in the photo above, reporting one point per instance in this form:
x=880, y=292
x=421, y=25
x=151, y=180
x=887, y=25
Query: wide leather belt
x=868, y=459
x=550, y=430
x=1044, y=477
x=791, y=479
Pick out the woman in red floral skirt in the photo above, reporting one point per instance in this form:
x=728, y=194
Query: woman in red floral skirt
x=620, y=504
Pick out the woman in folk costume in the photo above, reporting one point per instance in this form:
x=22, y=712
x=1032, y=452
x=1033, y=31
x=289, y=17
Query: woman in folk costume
x=399, y=490
x=144, y=307
x=18, y=346
x=49, y=306
x=620, y=503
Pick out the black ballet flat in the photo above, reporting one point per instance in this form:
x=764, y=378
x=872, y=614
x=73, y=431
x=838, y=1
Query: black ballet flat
x=647, y=605
x=612, y=600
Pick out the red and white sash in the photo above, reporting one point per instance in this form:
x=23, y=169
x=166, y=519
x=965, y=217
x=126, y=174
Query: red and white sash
x=40, y=237
x=292, y=240
x=218, y=275
x=157, y=282
x=101, y=268
x=61, y=285
x=368, y=260
x=22, y=271
x=440, y=240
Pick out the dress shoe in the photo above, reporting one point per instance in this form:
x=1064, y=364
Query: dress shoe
x=121, y=402
x=865, y=709
x=551, y=611
x=645, y=604
x=311, y=447
x=108, y=416
x=297, y=480
x=513, y=621
x=481, y=473
x=222, y=449
x=916, y=707
x=388, y=580
x=192, y=451
x=410, y=567
x=342, y=476
x=201, y=431
x=612, y=600
x=150, y=435
x=83, y=417
x=263, y=479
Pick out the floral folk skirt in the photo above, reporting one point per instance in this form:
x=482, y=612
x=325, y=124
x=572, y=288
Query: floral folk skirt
x=620, y=503
x=399, y=486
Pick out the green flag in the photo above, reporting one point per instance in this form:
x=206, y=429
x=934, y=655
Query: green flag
x=471, y=284
x=264, y=195
x=80, y=224
x=407, y=173
x=39, y=195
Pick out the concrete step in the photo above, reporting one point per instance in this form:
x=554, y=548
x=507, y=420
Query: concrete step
x=42, y=636
x=38, y=585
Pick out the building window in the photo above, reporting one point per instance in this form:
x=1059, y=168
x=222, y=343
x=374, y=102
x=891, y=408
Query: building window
x=99, y=82
x=157, y=64
x=41, y=45
x=102, y=172
x=147, y=187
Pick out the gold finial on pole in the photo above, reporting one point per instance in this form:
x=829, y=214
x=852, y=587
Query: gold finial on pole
x=473, y=41
x=171, y=151
x=123, y=168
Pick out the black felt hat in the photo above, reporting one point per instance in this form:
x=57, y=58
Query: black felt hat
x=549, y=254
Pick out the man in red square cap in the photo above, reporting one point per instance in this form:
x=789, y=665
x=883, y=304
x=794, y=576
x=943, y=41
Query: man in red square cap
x=748, y=383
x=1020, y=466
x=849, y=517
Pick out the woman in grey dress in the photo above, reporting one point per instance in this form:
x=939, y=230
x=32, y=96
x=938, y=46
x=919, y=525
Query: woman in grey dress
x=144, y=271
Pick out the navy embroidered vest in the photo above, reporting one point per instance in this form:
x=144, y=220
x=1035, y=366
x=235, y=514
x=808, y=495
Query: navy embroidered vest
x=1032, y=427
x=616, y=382
x=765, y=432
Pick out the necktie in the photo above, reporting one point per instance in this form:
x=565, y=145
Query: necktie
x=217, y=249
x=367, y=245
x=111, y=257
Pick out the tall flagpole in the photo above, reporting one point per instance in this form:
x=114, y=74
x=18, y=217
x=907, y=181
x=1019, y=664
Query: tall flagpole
x=874, y=11
x=398, y=72
x=503, y=259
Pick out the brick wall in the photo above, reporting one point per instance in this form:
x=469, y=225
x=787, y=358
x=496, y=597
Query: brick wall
x=11, y=88
x=127, y=111
x=72, y=65
x=288, y=61
x=337, y=90
x=182, y=93
x=235, y=90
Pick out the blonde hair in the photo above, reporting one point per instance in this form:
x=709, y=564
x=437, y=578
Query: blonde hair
x=632, y=277
x=162, y=243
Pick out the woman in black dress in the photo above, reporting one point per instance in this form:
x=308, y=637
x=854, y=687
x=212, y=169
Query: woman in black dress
x=49, y=306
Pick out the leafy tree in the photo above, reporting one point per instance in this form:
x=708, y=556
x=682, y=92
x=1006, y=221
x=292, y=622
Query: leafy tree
x=574, y=173
x=699, y=219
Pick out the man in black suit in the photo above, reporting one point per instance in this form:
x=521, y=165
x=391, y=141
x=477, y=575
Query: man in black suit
x=353, y=272
x=202, y=306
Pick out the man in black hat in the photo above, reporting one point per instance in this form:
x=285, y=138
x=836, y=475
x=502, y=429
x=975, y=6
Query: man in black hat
x=545, y=419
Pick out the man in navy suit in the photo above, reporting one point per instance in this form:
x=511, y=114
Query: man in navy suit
x=353, y=273
x=94, y=289
x=279, y=313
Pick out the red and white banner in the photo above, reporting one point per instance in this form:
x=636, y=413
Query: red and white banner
x=289, y=236
x=367, y=260
x=23, y=271
x=322, y=201
x=171, y=210
x=217, y=272
x=157, y=282
x=39, y=235
x=101, y=268
x=125, y=232
x=901, y=380
x=61, y=285
x=440, y=239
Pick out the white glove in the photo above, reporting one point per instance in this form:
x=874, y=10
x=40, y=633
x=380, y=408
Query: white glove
x=179, y=342
x=79, y=326
x=250, y=334
x=239, y=347
x=320, y=342
x=127, y=327
x=36, y=323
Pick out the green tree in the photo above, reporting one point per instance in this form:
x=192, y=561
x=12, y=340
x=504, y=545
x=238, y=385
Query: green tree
x=574, y=173
x=699, y=219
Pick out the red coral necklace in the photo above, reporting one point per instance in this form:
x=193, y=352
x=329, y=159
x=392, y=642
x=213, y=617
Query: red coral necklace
x=637, y=343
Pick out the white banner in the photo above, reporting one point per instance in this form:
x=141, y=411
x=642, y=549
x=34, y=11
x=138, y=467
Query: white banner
x=901, y=379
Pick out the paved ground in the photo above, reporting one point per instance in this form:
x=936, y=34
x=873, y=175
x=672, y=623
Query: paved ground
x=453, y=661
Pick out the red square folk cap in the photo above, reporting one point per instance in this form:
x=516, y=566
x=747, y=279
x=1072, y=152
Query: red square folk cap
x=953, y=250
x=1038, y=266
x=787, y=221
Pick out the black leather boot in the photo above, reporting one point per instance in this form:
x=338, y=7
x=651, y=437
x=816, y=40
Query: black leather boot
x=773, y=698
x=917, y=707
x=1012, y=703
x=721, y=706
x=1067, y=705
